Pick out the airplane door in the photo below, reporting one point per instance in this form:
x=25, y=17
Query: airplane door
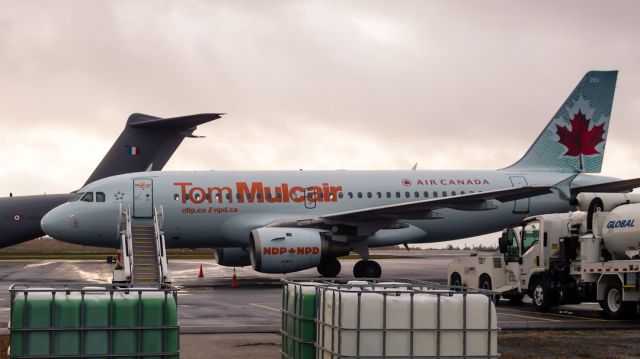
x=520, y=205
x=143, y=198
x=310, y=198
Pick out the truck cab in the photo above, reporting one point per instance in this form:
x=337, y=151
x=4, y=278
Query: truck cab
x=540, y=252
x=527, y=261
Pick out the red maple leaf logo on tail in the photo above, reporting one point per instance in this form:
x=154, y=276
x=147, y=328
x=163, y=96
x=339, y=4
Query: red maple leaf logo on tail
x=580, y=140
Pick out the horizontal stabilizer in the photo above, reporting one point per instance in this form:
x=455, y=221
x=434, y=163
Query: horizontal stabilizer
x=139, y=120
x=609, y=187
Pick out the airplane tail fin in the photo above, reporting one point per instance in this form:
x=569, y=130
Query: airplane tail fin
x=147, y=143
x=574, y=140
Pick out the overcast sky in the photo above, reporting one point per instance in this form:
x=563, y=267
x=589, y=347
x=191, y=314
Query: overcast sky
x=306, y=84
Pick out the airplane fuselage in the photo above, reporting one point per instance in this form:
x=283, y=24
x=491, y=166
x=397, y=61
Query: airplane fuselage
x=20, y=216
x=218, y=209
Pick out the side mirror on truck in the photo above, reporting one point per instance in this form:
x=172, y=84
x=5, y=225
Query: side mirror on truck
x=503, y=242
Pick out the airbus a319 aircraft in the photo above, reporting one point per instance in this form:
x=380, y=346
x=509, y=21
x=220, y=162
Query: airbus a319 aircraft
x=285, y=221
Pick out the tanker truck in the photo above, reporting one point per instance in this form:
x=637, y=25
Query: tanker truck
x=589, y=255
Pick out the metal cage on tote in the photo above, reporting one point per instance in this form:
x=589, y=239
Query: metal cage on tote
x=80, y=321
x=401, y=319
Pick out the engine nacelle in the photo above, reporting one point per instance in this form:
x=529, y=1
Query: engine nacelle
x=233, y=257
x=284, y=250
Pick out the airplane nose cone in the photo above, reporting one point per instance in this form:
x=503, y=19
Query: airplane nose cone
x=51, y=223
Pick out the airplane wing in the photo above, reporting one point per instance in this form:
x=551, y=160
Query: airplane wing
x=423, y=209
x=610, y=187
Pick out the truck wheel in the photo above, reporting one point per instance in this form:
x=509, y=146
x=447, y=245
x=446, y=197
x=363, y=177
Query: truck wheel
x=541, y=295
x=455, y=280
x=485, y=283
x=612, y=304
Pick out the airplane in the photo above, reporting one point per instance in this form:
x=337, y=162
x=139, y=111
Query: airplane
x=147, y=142
x=286, y=221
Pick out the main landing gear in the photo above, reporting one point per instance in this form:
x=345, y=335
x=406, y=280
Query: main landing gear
x=329, y=267
x=367, y=269
x=363, y=269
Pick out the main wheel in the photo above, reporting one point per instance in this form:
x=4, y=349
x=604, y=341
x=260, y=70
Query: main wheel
x=329, y=268
x=541, y=295
x=613, y=304
x=367, y=269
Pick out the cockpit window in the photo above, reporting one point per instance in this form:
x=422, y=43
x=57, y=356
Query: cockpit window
x=100, y=197
x=88, y=197
x=76, y=197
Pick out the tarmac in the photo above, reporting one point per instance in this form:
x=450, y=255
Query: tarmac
x=248, y=318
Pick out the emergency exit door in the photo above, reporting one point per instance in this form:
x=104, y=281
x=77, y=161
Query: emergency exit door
x=143, y=198
x=520, y=205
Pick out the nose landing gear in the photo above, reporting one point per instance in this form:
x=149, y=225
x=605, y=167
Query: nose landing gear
x=367, y=269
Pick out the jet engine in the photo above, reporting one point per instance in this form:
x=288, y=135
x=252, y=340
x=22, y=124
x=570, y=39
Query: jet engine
x=232, y=257
x=284, y=250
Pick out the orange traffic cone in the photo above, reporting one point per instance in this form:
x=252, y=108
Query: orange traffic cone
x=234, y=279
x=201, y=275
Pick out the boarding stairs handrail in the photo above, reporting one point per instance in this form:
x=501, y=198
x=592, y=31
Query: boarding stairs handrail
x=158, y=221
x=126, y=239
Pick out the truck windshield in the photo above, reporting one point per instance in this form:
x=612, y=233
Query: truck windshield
x=514, y=251
x=530, y=235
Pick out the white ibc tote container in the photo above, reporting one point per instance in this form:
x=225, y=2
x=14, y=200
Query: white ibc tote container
x=404, y=320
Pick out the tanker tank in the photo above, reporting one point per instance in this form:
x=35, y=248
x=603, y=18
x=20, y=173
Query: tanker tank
x=621, y=231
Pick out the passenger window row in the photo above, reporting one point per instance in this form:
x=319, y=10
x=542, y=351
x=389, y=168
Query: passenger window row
x=398, y=194
x=341, y=195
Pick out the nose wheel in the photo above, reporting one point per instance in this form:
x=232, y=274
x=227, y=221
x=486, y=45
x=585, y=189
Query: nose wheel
x=367, y=269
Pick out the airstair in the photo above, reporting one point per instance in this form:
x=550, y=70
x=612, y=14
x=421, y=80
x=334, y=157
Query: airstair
x=142, y=259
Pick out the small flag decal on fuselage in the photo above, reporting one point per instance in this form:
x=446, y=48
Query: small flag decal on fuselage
x=134, y=150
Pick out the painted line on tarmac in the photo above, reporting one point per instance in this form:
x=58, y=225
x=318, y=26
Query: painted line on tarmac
x=265, y=307
x=562, y=315
x=583, y=318
x=529, y=317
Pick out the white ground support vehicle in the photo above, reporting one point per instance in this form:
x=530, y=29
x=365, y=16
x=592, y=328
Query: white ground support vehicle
x=566, y=258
